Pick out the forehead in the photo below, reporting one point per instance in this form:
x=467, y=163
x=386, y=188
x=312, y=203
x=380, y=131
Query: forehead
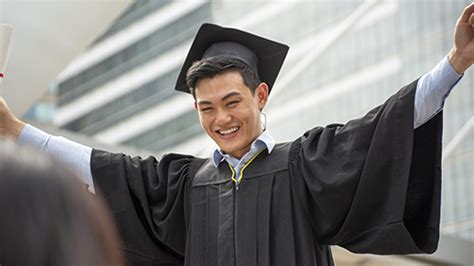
x=220, y=85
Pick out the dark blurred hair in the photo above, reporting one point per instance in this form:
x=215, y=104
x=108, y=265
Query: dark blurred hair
x=47, y=215
x=212, y=66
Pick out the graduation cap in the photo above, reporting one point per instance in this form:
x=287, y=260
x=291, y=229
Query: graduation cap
x=263, y=55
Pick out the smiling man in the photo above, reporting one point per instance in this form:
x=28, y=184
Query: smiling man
x=230, y=116
x=371, y=185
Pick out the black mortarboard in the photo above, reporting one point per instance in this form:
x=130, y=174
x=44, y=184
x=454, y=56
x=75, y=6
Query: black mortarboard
x=266, y=56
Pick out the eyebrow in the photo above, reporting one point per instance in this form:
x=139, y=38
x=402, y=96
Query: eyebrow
x=230, y=94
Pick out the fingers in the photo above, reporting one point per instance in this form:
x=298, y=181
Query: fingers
x=467, y=14
x=2, y=101
x=3, y=106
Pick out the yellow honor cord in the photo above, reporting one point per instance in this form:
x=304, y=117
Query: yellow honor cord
x=233, y=173
x=243, y=168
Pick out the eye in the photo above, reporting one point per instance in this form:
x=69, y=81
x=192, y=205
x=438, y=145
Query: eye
x=206, y=109
x=232, y=104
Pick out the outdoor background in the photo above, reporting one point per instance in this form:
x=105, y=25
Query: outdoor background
x=345, y=58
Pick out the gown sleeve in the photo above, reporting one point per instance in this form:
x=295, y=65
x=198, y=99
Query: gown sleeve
x=373, y=185
x=147, y=200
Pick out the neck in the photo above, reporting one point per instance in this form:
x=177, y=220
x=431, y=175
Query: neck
x=239, y=154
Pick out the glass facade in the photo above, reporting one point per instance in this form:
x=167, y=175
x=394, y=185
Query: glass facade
x=390, y=45
x=174, y=132
x=127, y=105
x=136, y=11
x=133, y=56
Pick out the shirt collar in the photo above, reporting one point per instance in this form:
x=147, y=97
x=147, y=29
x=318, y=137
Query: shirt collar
x=264, y=140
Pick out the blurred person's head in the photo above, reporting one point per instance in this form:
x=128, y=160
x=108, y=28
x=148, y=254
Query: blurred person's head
x=47, y=215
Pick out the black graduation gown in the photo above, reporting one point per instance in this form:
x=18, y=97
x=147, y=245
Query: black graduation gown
x=370, y=186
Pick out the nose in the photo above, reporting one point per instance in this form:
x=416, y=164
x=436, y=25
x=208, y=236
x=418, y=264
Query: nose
x=223, y=117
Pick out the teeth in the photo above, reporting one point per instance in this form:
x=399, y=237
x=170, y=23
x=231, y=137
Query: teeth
x=228, y=131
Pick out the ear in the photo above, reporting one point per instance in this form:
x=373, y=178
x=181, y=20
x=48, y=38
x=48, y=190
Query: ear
x=195, y=105
x=261, y=95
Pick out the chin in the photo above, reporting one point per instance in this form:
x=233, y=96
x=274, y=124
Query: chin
x=227, y=147
x=228, y=150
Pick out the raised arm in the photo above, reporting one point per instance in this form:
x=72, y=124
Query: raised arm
x=433, y=87
x=76, y=156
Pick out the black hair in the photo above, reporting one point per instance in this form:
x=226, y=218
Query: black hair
x=48, y=216
x=212, y=66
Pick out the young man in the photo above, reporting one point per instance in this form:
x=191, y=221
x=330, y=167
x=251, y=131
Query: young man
x=372, y=185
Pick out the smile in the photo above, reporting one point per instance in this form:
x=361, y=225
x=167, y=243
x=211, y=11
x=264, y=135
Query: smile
x=228, y=131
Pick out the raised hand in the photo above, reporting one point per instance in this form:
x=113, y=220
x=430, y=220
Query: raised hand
x=10, y=126
x=461, y=55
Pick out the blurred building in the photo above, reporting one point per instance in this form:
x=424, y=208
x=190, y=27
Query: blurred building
x=345, y=58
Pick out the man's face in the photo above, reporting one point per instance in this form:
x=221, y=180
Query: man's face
x=229, y=112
